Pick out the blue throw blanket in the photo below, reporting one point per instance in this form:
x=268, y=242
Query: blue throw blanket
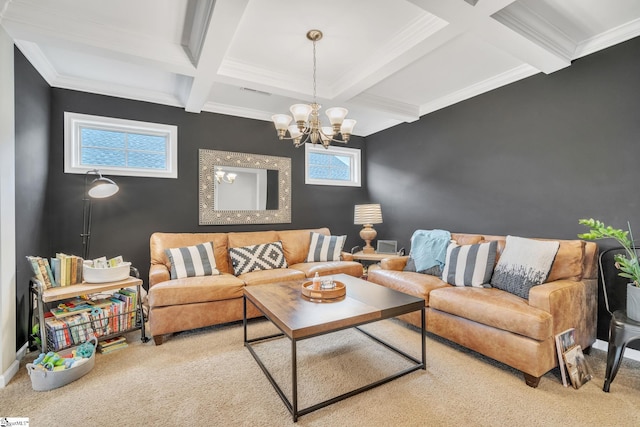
x=429, y=248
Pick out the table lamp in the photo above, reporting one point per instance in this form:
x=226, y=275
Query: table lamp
x=367, y=215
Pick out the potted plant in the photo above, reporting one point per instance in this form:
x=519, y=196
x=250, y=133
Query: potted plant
x=627, y=263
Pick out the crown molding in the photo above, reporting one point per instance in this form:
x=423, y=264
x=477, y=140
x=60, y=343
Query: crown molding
x=199, y=24
x=537, y=29
x=609, y=38
x=479, y=88
x=38, y=59
x=392, y=108
x=232, y=110
x=118, y=91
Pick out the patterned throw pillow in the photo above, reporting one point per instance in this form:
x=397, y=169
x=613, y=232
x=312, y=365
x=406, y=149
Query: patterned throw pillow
x=192, y=261
x=325, y=248
x=470, y=265
x=524, y=263
x=266, y=256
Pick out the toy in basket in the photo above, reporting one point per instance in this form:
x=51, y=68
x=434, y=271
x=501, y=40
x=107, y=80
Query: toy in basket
x=101, y=270
x=50, y=371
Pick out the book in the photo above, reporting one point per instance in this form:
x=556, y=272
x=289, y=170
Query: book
x=578, y=369
x=47, y=267
x=113, y=348
x=43, y=271
x=33, y=262
x=564, y=341
x=55, y=267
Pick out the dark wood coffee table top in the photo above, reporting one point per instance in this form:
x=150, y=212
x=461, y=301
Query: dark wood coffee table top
x=298, y=317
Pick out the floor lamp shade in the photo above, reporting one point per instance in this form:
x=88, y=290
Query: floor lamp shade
x=99, y=188
x=367, y=215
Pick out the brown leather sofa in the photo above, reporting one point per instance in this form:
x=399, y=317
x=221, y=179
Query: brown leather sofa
x=515, y=331
x=195, y=302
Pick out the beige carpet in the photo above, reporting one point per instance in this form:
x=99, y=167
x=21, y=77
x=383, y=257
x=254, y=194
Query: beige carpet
x=207, y=377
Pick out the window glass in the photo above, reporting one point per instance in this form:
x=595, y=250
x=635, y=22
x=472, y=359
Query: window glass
x=332, y=166
x=119, y=147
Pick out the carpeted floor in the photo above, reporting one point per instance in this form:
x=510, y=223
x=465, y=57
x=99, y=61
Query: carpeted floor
x=206, y=377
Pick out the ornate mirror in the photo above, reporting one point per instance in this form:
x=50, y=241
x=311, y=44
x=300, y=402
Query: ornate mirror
x=240, y=188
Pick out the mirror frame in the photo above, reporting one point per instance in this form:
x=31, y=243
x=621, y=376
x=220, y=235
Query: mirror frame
x=209, y=159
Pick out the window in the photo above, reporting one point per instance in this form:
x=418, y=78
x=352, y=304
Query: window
x=119, y=147
x=332, y=166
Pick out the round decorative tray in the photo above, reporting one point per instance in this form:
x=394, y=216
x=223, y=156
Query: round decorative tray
x=324, y=294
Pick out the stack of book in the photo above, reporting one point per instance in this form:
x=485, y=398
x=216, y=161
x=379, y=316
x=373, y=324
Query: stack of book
x=112, y=344
x=63, y=270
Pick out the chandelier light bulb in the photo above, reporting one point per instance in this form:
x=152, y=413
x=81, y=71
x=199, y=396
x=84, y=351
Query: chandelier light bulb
x=281, y=121
x=300, y=112
x=347, y=127
x=336, y=115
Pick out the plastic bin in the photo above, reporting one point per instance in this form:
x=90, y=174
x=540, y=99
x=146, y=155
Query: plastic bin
x=49, y=380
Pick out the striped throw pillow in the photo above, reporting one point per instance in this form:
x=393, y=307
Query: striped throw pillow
x=470, y=265
x=325, y=248
x=192, y=261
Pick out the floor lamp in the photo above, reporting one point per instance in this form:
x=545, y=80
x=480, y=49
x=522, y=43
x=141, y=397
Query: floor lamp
x=99, y=188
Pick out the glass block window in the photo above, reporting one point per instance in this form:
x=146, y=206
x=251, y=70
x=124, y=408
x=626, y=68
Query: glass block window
x=332, y=166
x=120, y=147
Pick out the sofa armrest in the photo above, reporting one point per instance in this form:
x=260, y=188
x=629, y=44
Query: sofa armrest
x=394, y=263
x=158, y=273
x=346, y=256
x=566, y=301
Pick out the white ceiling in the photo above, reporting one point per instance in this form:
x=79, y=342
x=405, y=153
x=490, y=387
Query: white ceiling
x=387, y=61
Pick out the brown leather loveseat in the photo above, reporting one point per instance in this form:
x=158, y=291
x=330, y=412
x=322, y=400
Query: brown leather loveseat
x=498, y=324
x=195, y=302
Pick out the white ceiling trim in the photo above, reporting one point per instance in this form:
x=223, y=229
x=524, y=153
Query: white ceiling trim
x=609, y=38
x=224, y=19
x=199, y=24
x=536, y=28
x=389, y=58
x=38, y=59
x=23, y=22
x=239, y=73
x=491, y=83
x=398, y=110
x=232, y=110
x=118, y=91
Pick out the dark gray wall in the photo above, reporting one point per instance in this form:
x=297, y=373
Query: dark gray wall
x=32, y=99
x=122, y=224
x=527, y=159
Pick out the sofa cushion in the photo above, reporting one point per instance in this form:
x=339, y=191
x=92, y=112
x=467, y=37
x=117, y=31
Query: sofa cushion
x=309, y=269
x=265, y=256
x=192, y=290
x=416, y=284
x=325, y=248
x=495, y=308
x=261, y=277
x=436, y=270
x=192, y=261
x=568, y=263
x=296, y=243
x=524, y=263
x=470, y=265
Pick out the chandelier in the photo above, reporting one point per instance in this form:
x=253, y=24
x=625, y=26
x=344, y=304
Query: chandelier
x=227, y=177
x=308, y=126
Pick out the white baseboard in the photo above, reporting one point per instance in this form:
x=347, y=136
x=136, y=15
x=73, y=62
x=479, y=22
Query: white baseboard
x=628, y=352
x=13, y=368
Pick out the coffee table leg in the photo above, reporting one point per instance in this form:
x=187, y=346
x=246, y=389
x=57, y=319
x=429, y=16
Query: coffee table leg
x=424, y=341
x=244, y=318
x=294, y=380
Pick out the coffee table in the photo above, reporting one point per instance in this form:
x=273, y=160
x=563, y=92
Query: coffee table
x=300, y=318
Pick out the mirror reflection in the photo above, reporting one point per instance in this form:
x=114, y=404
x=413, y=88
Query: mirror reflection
x=245, y=189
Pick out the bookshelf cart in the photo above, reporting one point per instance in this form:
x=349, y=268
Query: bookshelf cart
x=44, y=296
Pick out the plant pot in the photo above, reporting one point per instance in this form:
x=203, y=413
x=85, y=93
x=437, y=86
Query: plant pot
x=633, y=302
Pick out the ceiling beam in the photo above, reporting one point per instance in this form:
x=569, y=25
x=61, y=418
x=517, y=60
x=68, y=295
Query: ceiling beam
x=213, y=39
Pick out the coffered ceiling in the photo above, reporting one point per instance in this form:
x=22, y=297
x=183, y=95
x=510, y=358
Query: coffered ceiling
x=387, y=61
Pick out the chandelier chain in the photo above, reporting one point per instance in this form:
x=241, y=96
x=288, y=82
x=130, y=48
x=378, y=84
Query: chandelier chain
x=314, y=71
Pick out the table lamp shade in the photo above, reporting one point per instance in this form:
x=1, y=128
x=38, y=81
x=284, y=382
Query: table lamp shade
x=367, y=214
